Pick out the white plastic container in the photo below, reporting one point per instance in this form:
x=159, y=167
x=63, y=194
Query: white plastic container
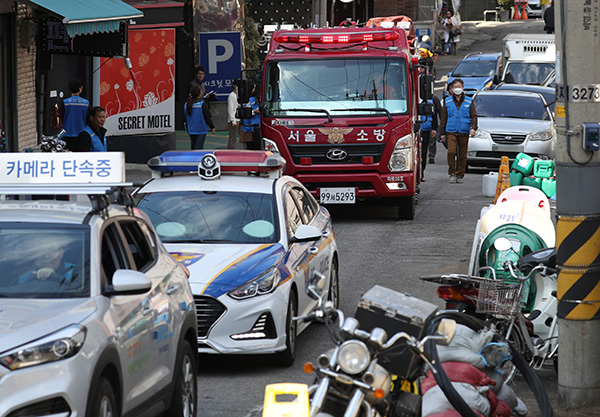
x=490, y=181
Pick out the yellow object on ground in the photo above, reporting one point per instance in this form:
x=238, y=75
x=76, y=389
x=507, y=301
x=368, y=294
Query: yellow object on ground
x=286, y=400
x=503, y=177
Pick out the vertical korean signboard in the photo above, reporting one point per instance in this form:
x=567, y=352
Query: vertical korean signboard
x=141, y=100
x=221, y=57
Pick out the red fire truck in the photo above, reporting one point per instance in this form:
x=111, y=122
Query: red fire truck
x=341, y=106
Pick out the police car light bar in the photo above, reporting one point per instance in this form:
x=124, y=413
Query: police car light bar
x=230, y=160
x=387, y=35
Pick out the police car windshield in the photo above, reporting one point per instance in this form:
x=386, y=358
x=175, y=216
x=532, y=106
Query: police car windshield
x=211, y=216
x=41, y=260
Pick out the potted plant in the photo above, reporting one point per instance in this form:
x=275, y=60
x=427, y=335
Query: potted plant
x=505, y=9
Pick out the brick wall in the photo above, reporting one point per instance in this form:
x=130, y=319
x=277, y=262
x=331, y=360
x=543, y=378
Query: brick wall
x=395, y=8
x=25, y=82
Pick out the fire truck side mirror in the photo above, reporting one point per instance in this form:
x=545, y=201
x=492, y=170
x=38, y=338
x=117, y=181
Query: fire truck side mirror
x=426, y=86
x=425, y=109
x=244, y=91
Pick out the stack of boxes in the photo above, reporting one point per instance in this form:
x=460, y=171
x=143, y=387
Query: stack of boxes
x=526, y=170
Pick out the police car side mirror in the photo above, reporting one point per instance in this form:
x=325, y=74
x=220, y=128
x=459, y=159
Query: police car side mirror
x=128, y=282
x=426, y=86
x=306, y=233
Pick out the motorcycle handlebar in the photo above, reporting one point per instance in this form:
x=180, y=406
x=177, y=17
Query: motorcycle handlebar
x=509, y=265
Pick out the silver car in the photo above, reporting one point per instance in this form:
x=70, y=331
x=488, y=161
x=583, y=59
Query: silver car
x=96, y=318
x=511, y=122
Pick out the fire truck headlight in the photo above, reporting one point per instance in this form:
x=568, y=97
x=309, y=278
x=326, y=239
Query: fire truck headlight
x=402, y=159
x=270, y=145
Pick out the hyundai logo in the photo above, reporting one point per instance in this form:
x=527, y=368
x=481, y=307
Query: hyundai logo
x=508, y=137
x=336, y=154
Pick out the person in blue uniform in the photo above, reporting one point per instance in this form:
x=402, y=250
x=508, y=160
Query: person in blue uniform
x=458, y=123
x=197, y=118
x=93, y=137
x=74, y=111
x=250, y=134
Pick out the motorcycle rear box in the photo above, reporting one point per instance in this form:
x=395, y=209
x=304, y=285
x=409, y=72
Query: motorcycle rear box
x=396, y=312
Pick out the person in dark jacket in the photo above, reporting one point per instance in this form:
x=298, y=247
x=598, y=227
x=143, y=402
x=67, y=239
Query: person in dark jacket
x=549, y=19
x=197, y=118
x=93, y=137
x=458, y=123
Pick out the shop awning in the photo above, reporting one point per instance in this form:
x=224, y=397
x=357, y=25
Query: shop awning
x=84, y=17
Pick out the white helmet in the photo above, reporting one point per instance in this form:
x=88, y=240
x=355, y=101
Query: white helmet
x=425, y=38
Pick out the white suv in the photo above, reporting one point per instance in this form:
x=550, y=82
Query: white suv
x=96, y=318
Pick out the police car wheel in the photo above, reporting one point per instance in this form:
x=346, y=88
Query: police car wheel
x=334, y=285
x=104, y=403
x=287, y=357
x=185, y=390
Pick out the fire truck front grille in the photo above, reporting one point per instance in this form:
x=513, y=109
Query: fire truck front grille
x=336, y=154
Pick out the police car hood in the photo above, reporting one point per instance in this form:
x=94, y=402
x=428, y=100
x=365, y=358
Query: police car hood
x=24, y=320
x=218, y=269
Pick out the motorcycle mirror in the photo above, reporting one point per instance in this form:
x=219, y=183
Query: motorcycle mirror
x=446, y=328
x=502, y=244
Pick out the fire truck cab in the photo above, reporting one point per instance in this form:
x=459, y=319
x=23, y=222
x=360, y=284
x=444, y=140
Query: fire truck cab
x=340, y=105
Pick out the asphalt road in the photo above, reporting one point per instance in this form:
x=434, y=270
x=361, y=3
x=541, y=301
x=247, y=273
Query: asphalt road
x=376, y=248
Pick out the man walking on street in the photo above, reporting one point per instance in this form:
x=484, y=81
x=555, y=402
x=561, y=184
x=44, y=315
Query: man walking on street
x=232, y=122
x=458, y=123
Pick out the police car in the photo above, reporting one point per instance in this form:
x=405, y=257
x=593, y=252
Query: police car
x=251, y=239
x=96, y=318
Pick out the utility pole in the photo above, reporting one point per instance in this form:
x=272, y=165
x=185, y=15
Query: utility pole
x=578, y=200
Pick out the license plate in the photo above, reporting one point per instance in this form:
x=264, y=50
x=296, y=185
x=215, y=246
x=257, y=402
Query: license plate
x=337, y=195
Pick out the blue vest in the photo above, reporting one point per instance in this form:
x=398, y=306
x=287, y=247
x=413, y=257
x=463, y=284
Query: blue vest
x=196, y=125
x=426, y=120
x=98, y=145
x=76, y=111
x=459, y=120
x=247, y=124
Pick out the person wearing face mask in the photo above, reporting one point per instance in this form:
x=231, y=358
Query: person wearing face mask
x=458, y=123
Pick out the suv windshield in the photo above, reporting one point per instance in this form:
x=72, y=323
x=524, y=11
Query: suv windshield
x=211, y=216
x=41, y=260
x=529, y=72
x=351, y=87
x=475, y=69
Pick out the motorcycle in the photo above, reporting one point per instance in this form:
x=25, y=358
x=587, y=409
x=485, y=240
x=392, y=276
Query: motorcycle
x=368, y=374
x=534, y=333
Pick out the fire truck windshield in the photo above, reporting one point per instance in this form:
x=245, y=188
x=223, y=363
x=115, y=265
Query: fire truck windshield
x=339, y=87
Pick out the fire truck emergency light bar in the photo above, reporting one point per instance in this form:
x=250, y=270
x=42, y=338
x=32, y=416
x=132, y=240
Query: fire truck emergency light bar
x=228, y=160
x=336, y=38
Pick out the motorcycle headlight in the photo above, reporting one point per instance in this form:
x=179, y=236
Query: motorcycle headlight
x=270, y=145
x=542, y=135
x=483, y=134
x=401, y=159
x=353, y=357
x=264, y=284
x=58, y=346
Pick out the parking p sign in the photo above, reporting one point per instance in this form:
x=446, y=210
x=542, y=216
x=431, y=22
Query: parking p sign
x=221, y=57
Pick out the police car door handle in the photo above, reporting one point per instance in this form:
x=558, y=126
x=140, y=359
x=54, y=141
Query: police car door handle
x=172, y=289
x=313, y=250
x=326, y=233
x=146, y=310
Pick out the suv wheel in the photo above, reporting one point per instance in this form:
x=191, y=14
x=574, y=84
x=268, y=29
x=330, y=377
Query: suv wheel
x=104, y=403
x=185, y=391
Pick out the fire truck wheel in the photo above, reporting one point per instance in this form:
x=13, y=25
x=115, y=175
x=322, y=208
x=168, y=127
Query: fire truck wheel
x=407, y=207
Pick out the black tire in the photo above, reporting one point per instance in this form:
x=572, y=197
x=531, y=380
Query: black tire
x=287, y=357
x=516, y=340
x=407, y=207
x=334, y=285
x=185, y=390
x=103, y=401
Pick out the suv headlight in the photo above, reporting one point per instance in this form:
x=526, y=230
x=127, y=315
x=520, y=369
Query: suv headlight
x=401, y=159
x=58, y=346
x=483, y=134
x=270, y=145
x=264, y=284
x=542, y=135
x=353, y=357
